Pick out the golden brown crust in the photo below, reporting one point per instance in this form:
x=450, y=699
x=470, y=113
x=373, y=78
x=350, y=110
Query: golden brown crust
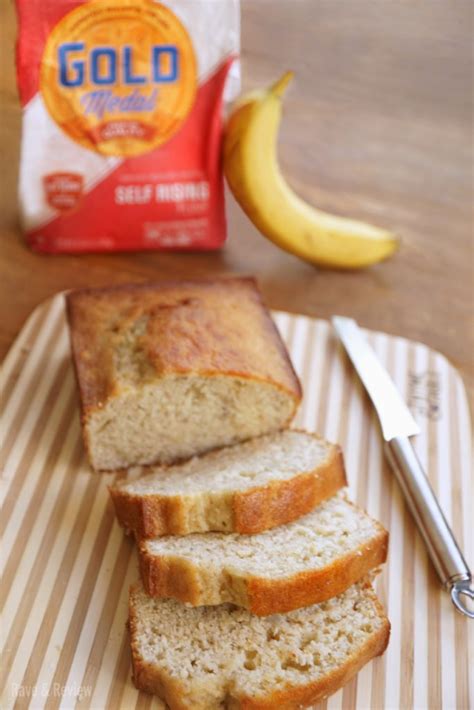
x=307, y=588
x=149, y=516
x=180, y=579
x=190, y=327
x=264, y=507
x=169, y=577
x=254, y=510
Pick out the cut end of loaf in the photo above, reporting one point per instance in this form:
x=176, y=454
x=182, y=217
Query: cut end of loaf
x=180, y=417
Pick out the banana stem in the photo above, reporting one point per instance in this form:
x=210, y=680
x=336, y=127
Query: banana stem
x=279, y=87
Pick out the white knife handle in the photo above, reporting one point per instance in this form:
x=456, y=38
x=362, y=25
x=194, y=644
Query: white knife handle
x=438, y=536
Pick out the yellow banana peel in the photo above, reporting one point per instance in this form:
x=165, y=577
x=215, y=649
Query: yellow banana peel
x=254, y=176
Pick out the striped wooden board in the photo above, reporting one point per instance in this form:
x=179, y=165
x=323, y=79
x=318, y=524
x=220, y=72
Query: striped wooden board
x=67, y=565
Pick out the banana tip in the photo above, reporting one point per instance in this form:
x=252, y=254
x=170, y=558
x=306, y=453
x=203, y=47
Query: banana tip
x=279, y=87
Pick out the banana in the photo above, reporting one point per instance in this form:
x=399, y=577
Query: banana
x=252, y=171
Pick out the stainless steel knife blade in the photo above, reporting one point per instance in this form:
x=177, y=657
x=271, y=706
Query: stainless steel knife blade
x=394, y=415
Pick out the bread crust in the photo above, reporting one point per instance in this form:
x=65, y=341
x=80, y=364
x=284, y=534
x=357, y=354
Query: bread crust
x=251, y=511
x=213, y=319
x=264, y=507
x=154, y=680
x=180, y=579
x=314, y=586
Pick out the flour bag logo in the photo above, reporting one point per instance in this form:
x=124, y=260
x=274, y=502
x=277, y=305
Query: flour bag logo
x=122, y=122
x=119, y=78
x=63, y=190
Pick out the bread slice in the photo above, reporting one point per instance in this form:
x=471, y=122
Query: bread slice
x=294, y=565
x=170, y=370
x=244, y=488
x=213, y=657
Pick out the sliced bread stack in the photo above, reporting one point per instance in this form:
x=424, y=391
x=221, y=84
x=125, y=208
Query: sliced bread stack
x=255, y=568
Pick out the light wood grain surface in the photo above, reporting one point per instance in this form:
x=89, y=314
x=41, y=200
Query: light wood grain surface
x=377, y=125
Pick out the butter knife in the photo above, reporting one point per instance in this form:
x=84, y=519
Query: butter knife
x=398, y=425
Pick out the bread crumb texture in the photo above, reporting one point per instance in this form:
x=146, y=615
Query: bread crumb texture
x=268, y=458
x=209, y=658
x=334, y=528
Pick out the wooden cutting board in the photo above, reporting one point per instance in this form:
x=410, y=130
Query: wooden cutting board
x=67, y=565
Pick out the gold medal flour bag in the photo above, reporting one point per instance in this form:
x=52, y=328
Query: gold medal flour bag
x=122, y=122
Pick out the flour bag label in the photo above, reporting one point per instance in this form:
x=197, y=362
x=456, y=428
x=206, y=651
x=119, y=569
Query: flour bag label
x=122, y=122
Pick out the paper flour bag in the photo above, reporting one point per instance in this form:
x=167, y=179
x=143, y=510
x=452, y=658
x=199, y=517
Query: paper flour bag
x=122, y=122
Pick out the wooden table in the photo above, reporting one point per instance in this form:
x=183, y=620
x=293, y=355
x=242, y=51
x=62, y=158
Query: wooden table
x=377, y=126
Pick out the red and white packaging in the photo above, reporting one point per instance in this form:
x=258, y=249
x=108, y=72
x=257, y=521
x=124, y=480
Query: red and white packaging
x=122, y=122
